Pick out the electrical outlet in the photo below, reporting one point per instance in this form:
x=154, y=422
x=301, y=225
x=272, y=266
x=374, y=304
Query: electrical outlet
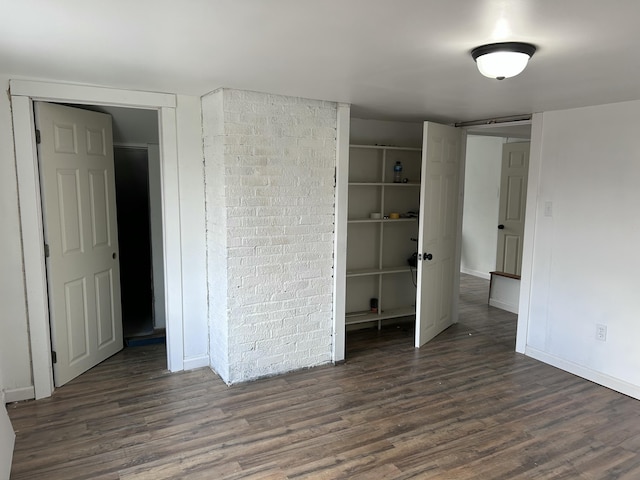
x=601, y=332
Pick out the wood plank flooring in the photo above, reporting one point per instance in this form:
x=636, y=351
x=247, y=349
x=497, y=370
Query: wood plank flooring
x=464, y=407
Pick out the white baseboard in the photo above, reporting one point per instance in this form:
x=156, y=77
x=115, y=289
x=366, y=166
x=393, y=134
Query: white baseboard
x=475, y=273
x=504, y=306
x=19, y=394
x=587, y=373
x=196, y=362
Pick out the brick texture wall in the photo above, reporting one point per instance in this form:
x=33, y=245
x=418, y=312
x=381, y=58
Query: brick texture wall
x=270, y=163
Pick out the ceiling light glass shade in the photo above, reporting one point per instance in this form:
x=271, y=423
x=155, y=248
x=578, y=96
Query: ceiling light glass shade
x=502, y=60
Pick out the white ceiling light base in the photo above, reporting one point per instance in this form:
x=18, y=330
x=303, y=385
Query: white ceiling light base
x=502, y=60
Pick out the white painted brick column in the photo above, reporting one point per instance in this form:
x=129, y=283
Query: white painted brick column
x=269, y=166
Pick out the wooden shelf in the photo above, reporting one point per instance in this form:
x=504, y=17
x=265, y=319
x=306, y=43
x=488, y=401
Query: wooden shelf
x=383, y=184
x=386, y=147
x=378, y=271
x=382, y=220
x=363, y=317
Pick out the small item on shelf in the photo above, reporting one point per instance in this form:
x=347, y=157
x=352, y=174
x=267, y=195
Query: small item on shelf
x=405, y=180
x=375, y=216
x=394, y=216
x=374, y=305
x=397, y=173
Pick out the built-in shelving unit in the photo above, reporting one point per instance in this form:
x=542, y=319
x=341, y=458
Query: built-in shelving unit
x=378, y=249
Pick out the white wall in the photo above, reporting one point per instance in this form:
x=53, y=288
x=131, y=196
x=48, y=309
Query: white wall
x=14, y=342
x=133, y=125
x=7, y=440
x=270, y=163
x=481, y=204
x=585, y=260
x=216, y=221
x=382, y=132
x=155, y=226
x=7, y=437
x=193, y=233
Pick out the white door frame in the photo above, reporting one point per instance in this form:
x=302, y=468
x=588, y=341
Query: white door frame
x=528, y=239
x=23, y=94
x=340, y=234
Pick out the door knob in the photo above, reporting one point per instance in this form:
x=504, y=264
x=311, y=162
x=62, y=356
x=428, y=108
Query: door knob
x=114, y=255
x=427, y=256
x=500, y=227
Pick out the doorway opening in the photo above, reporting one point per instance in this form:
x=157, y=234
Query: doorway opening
x=402, y=217
x=23, y=94
x=382, y=192
x=96, y=208
x=139, y=223
x=485, y=197
x=363, y=132
x=139, y=212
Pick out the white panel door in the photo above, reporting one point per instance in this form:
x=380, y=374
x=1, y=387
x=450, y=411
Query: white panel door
x=437, y=237
x=75, y=154
x=513, y=196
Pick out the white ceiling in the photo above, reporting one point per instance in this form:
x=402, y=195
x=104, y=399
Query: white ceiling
x=391, y=59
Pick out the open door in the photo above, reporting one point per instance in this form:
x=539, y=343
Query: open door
x=437, y=237
x=513, y=199
x=75, y=154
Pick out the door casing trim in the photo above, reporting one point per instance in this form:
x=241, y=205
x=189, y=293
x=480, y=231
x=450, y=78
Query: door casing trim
x=23, y=94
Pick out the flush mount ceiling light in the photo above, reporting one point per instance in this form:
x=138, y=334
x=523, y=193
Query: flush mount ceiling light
x=502, y=60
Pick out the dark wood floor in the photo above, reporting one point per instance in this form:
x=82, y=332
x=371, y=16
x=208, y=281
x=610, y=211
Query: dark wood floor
x=464, y=407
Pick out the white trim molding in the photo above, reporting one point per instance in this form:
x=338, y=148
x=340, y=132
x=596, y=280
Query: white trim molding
x=170, y=191
x=340, y=236
x=509, y=307
x=584, y=372
x=90, y=95
x=196, y=362
x=23, y=93
x=531, y=214
x=455, y=300
x=32, y=245
x=18, y=394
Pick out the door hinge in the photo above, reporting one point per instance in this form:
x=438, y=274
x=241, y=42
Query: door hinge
x=54, y=357
x=38, y=136
x=46, y=251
